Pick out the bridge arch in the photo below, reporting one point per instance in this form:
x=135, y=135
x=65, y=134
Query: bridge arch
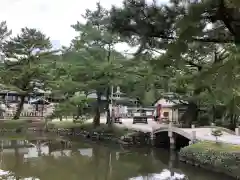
x=181, y=137
x=176, y=131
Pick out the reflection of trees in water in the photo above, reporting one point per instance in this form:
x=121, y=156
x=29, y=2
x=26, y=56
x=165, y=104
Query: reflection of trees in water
x=102, y=165
x=17, y=159
x=170, y=162
x=110, y=157
x=95, y=162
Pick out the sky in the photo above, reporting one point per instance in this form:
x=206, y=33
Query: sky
x=52, y=17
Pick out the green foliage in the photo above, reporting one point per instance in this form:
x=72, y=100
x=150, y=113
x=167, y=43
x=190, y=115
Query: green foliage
x=191, y=58
x=74, y=106
x=105, y=129
x=4, y=33
x=156, y=24
x=177, y=53
x=103, y=65
x=26, y=66
x=96, y=65
x=64, y=124
x=217, y=133
x=8, y=124
x=219, y=157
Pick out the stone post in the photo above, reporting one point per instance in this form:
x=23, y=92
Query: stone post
x=170, y=135
x=172, y=142
x=237, y=131
x=193, y=139
x=171, y=162
x=193, y=126
x=152, y=138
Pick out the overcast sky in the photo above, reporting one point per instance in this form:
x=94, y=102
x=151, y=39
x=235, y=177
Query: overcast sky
x=53, y=17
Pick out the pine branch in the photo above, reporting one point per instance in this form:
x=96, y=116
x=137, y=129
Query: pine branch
x=165, y=37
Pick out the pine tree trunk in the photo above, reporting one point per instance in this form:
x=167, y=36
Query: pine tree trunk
x=96, y=120
x=233, y=122
x=79, y=112
x=109, y=122
x=96, y=159
x=19, y=108
x=190, y=115
x=233, y=117
x=108, y=90
x=213, y=114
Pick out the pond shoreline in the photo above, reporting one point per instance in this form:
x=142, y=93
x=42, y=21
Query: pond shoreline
x=212, y=156
x=98, y=158
x=126, y=138
x=118, y=136
x=206, y=167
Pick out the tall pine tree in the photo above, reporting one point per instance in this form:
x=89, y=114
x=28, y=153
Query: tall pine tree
x=26, y=64
x=103, y=62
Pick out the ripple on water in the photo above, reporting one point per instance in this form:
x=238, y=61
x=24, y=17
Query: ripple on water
x=7, y=175
x=165, y=174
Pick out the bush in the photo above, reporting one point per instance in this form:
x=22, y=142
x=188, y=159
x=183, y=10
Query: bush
x=217, y=133
x=13, y=124
x=223, y=158
x=104, y=128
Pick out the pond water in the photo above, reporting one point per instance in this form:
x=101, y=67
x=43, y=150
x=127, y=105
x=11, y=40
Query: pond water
x=45, y=158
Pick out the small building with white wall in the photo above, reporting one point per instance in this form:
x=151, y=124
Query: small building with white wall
x=170, y=110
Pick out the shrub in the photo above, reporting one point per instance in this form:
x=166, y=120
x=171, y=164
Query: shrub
x=217, y=133
x=223, y=158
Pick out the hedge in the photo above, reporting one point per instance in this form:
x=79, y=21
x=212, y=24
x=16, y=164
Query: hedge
x=219, y=157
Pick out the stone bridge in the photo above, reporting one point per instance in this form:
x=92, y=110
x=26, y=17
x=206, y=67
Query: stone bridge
x=203, y=133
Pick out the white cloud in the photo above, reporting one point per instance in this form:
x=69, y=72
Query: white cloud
x=53, y=17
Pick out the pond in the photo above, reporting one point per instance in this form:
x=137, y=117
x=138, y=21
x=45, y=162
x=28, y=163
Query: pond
x=54, y=158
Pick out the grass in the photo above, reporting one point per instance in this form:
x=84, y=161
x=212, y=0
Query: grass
x=64, y=124
x=117, y=131
x=14, y=137
x=13, y=124
x=220, y=147
x=20, y=123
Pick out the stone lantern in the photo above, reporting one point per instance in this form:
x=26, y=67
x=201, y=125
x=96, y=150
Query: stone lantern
x=118, y=93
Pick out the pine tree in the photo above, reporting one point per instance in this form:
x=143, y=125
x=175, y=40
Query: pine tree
x=103, y=61
x=180, y=29
x=4, y=33
x=26, y=66
x=156, y=24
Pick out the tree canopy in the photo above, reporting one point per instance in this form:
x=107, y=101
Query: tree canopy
x=189, y=49
x=26, y=65
x=198, y=39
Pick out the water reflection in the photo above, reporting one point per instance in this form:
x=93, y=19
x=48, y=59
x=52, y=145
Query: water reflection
x=6, y=175
x=60, y=160
x=164, y=175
